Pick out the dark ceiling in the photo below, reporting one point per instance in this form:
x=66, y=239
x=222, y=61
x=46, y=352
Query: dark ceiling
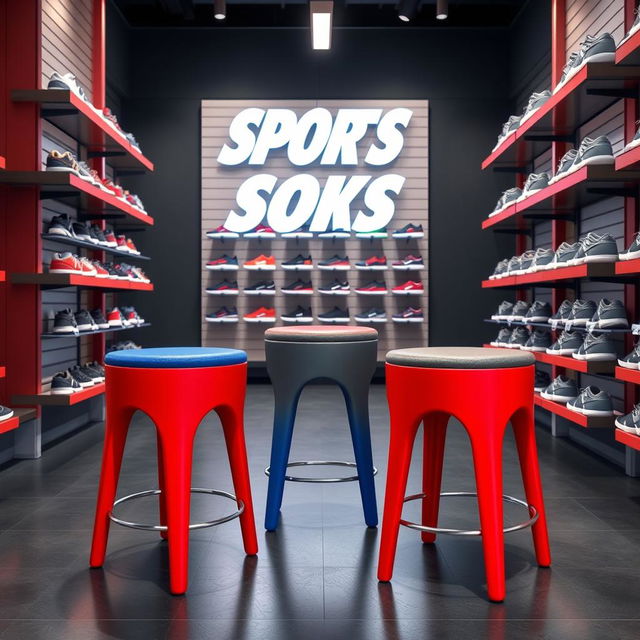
x=295, y=13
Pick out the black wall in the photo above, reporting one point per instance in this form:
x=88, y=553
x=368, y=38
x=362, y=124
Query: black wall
x=464, y=73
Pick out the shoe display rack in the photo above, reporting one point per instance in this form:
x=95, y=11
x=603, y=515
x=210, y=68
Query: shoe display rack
x=36, y=120
x=556, y=211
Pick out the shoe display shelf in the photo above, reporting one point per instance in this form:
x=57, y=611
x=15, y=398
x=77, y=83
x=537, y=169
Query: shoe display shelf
x=557, y=277
x=76, y=118
x=628, y=439
x=58, y=280
x=19, y=416
x=546, y=325
x=594, y=88
x=628, y=375
x=587, y=422
x=82, y=334
x=75, y=242
x=50, y=399
x=628, y=53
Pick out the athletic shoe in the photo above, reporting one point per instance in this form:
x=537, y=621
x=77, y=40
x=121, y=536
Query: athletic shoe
x=541, y=260
x=600, y=48
x=335, y=316
x=509, y=197
x=410, y=263
x=224, y=288
x=98, y=234
x=633, y=251
x=562, y=314
x=564, y=254
x=113, y=188
x=596, y=247
x=120, y=272
x=84, y=321
x=302, y=232
x=409, y=231
x=60, y=226
x=222, y=232
x=502, y=339
x=336, y=288
x=562, y=389
x=5, y=413
x=634, y=28
x=535, y=182
x=611, y=314
x=91, y=373
x=536, y=100
x=66, y=82
x=223, y=263
x=410, y=314
x=504, y=312
x=564, y=166
x=592, y=401
x=299, y=263
x=96, y=366
x=223, y=315
x=65, y=322
x=87, y=174
x=132, y=247
x=629, y=423
x=65, y=263
x=62, y=162
x=408, y=288
x=335, y=233
x=371, y=315
x=298, y=287
x=538, y=312
x=568, y=343
x=263, y=314
x=539, y=340
x=81, y=231
x=508, y=128
x=116, y=319
x=526, y=261
x=596, y=348
x=261, y=288
x=261, y=263
x=299, y=315
x=80, y=377
x=132, y=316
x=513, y=266
x=519, y=311
x=99, y=320
x=380, y=234
x=632, y=359
x=64, y=383
x=593, y=151
x=519, y=337
x=261, y=231
x=110, y=238
x=374, y=263
x=122, y=244
x=567, y=69
x=499, y=271
x=335, y=264
x=542, y=381
x=373, y=288
x=581, y=312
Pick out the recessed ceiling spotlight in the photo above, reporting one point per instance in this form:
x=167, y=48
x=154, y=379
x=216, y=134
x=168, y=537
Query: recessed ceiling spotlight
x=321, y=14
x=442, y=9
x=407, y=10
x=219, y=9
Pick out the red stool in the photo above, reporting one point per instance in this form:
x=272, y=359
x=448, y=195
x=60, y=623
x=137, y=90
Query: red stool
x=484, y=389
x=176, y=388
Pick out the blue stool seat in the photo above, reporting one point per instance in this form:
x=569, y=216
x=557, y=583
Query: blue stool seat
x=175, y=357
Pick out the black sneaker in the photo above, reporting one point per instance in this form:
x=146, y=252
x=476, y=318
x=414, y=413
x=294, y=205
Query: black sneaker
x=336, y=288
x=65, y=322
x=299, y=315
x=91, y=373
x=99, y=320
x=98, y=234
x=371, y=315
x=113, y=273
x=519, y=337
x=502, y=339
x=562, y=314
x=299, y=287
x=336, y=263
x=81, y=378
x=64, y=384
x=542, y=381
x=85, y=321
x=409, y=231
x=5, y=413
x=262, y=288
x=61, y=161
x=81, y=231
x=223, y=315
x=60, y=226
x=539, y=340
x=409, y=315
x=224, y=288
x=299, y=263
x=335, y=316
x=96, y=366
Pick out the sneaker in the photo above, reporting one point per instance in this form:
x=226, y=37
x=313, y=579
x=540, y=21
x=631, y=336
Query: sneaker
x=336, y=288
x=564, y=254
x=132, y=316
x=64, y=384
x=634, y=142
x=261, y=263
x=299, y=287
x=633, y=30
x=65, y=322
x=562, y=389
x=110, y=238
x=632, y=359
x=629, y=423
x=97, y=233
x=611, y=314
x=519, y=337
x=371, y=315
x=65, y=263
x=504, y=311
x=261, y=288
x=335, y=316
x=596, y=348
x=502, y=339
x=261, y=231
x=542, y=260
x=85, y=173
x=373, y=288
x=410, y=314
x=535, y=182
x=224, y=288
x=538, y=312
x=5, y=413
x=91, y=373
x=592, y=401
x=84, y=321
x=81, y=231
x=80, y=377
x=115, y=318
x=223, y=263
x=66, y=82
x=99, y=320
x=507, y=129
x=335, y=233
x=513, y=266
x=526, y=261
x=581, y=312
x=60, y=226
x=408, y=288
x=302, y=232
x=223, y=315
x=567, y=70
x=380, y=234
x=562, y=314
x=299, y=263
x=542, y=381
x=62, y=162
x=299, y=315
x=263, y=314
x=409, y=231
x=600, y=48
x=335, y=264
x=539, y=340
x=593, y=151
x=499, y=271
x=536, y=100
x=222, y=232
x=508, y=198
x=564, y=166
x=374, y=263
x=633, y=251
x=132, y=247
x=568, y=343
x=520, y=310
x=410, y=263
x=595, y=247
x=96, y=366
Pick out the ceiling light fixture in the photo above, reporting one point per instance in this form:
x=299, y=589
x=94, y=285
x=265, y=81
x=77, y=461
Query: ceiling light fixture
x=407, y=10
x=442, y=9
x=321, y=14
x=219, y=9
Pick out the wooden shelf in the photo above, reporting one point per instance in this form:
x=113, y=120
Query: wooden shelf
x=25, y=413
x=58, y=280
x=62, y=186
x=77, y=119
x=82, y=334
x=628, y=439
x=74, y=242
x=48, y=399
x=628, y=375
x=587, y=422
x=549, y=278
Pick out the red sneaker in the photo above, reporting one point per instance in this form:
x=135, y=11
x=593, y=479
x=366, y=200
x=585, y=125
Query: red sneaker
x=372, y=289
x=115, y=318
x=132, y=247
x=101, y=272
x=122, y=244
x=65, y=263
x=374, y=263
x=223, y=263
x=261, y=315
x=111, y=239
x=115, y=189
x=261, y=231
x=408, y=288
x=222, y=232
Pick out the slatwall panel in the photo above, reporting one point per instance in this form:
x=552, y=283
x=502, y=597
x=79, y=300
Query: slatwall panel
x=593, y=17
x=67, y=40
x=218, y=197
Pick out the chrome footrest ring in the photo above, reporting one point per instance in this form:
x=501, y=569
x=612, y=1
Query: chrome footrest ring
x=159, y=527
x=314, y=463
x=462, y=532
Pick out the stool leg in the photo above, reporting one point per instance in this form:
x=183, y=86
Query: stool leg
x=162, y=498
x=115, y=436
x=435, y=431
x=486, y=444
x=233, y=426
x=357, y=401
x=524, y=431
x=401, y=440
x=284, y=417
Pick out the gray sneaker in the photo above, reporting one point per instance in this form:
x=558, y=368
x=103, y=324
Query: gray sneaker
x=633, y=251
x=536, y=100
x=600, y=48
x=596, y=348
x=565, y=164
x=595, y=247
x=502, y=339
x=512, y=266
x=509, y=197
x=593, y=151
x=535, y=182
x=539, y=340
x=564, y=254
x=611, y=314
x=632, y=359
x=519, y=311
x=508, y=128
x=519, y=337
x=526, y=260
x=542, y=259
x=581, y=312
x=567, y=69
x=504, y=311
x=538, y=312
x=592, y=401
x=631, y=422
x=562, y=389
x=500, y=270
x=567, y=344
x=563, y=312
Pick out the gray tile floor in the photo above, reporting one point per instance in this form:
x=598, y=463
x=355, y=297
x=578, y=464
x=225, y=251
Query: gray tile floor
x=315, y=577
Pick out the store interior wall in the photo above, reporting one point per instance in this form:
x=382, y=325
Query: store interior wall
x=466, y=75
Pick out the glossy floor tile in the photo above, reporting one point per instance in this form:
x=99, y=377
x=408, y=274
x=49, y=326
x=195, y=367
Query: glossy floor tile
x=316, y=576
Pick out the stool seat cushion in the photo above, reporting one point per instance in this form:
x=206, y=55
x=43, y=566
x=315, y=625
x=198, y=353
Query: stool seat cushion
x=321, y=333
x=460, y=358
x=175, y=357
